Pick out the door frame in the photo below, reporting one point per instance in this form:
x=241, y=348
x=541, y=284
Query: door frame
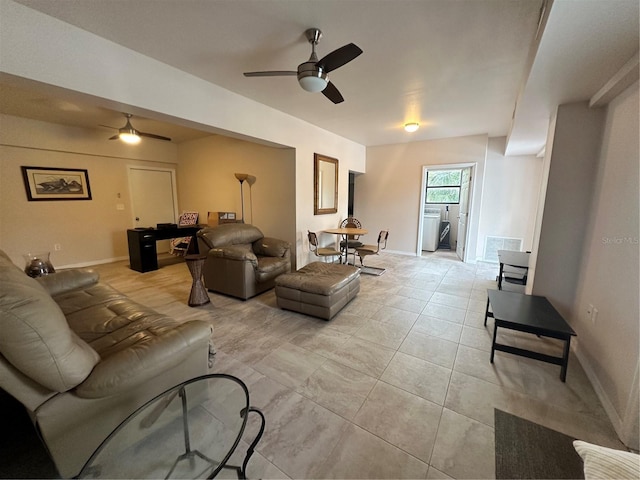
x=423, y=192
x=172, y=171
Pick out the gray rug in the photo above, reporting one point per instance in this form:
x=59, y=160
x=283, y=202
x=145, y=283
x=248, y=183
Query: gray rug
x=525, y=449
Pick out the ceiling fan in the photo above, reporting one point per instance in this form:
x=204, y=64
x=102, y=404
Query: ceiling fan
x=312, y=74
x=129, y=134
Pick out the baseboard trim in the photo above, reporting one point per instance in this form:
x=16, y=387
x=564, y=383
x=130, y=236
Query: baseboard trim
x=94, y=262
x=615, y=419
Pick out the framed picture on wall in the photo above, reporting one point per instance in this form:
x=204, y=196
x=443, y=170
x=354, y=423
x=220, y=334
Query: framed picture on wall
x=44, y=183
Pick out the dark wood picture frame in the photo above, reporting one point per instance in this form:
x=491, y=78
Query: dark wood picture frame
x=55, y=184
x=325, y=188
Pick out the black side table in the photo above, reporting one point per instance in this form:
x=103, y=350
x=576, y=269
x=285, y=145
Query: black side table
x=199, y=295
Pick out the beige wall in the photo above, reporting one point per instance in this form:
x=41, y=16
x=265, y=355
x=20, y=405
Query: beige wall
x=510, y=195
x=206, y=182
x=608, y=347
x=387, y=196
x=89, y=231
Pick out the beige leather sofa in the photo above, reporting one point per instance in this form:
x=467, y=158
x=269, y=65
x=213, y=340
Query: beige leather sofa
x=241, y=261
x=81, y=356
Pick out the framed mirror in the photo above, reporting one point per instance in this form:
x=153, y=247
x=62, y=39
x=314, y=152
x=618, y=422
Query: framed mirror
x=325, y=185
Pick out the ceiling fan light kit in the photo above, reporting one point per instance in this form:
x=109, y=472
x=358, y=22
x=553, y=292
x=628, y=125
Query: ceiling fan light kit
x=312, y=74
x=411, y=127
x=132, y=136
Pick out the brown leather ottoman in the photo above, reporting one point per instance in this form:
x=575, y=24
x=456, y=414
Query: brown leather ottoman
x=318, y=289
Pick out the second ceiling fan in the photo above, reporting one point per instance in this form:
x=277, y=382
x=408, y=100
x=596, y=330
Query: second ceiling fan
x=312, y=74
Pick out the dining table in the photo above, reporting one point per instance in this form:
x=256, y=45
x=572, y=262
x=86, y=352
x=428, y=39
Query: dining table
x=345, y=233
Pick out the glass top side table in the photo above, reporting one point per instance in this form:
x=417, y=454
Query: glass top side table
x=189, y=431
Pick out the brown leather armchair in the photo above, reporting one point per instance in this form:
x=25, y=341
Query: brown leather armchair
x=241, y=261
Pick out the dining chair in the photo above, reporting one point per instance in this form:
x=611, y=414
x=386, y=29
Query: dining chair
x=366, y=250
x=352, y=241
x=321, y=252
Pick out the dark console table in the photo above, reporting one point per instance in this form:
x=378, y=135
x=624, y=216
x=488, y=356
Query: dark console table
x=143, y=255
x=530, y=314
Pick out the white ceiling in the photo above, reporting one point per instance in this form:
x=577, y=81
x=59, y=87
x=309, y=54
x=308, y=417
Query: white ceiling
x=457, y=67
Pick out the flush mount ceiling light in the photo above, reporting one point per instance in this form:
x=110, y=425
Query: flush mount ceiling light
x=411, y=127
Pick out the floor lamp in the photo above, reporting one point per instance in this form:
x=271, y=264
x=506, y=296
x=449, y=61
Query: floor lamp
x=241, y=178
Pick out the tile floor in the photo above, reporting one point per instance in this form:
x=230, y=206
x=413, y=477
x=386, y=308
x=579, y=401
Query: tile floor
x=397, y=385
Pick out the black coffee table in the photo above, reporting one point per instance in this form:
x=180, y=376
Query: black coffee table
x=530, y=314
x=189, y=431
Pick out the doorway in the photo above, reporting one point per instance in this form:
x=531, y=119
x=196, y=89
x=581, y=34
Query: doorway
x=153, y=198
x=455, y=212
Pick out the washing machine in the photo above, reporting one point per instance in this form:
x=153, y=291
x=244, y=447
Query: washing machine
x=431, y=229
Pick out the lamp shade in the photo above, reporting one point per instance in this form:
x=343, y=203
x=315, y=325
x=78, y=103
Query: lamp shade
x=411, y=127
x=241, y=176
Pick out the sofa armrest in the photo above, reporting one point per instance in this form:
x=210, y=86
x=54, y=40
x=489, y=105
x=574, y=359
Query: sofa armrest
x=67, y=280
x=141, y=362
x=235, y=252
x=271, y=247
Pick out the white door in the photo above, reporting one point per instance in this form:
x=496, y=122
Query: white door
x=153, y=199
x=464, y=213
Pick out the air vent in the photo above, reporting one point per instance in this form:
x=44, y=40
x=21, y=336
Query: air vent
x=493, y=244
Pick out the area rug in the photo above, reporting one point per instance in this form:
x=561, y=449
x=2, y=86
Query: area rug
x=525, y=449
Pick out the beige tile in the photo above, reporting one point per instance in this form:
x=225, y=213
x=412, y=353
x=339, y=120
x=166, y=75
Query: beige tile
x=396, y=316
x=414, y=375
x=435, y=474
x=432, y=349
x=475, y=319
x=386, y=334
x=480, y=338
x=454, y=289
x=290, y=365
x=362, y=307
x=477, y=399
x=416, y=293
x=320, y=342
x=391, y=414
x=464, y=447
x=347, y=323
x=363, y=356
x=444, y=312
x=299, y=433
x=438, y=328
x=359, y=455
x=339, y=388
x=407, y=304
x=449, y=300
x=505, y=370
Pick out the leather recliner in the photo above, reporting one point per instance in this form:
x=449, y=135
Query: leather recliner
x=81, y=356
x=241, y=261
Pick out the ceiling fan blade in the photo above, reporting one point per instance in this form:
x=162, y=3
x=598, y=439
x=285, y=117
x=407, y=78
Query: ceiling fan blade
x=339, y=57
x=273, y=73
x=153, y=135
x=115, y=137
x=332, y=93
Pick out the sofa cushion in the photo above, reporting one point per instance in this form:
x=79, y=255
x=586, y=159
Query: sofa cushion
x=236, y=252
x=271, y=267
x=229, y=234
x=34, y=335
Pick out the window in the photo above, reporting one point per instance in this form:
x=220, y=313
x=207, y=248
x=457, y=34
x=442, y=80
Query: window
x=443, y=186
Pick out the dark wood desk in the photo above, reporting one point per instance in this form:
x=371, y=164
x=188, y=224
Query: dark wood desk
x=143, y=255
x=530, y=314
